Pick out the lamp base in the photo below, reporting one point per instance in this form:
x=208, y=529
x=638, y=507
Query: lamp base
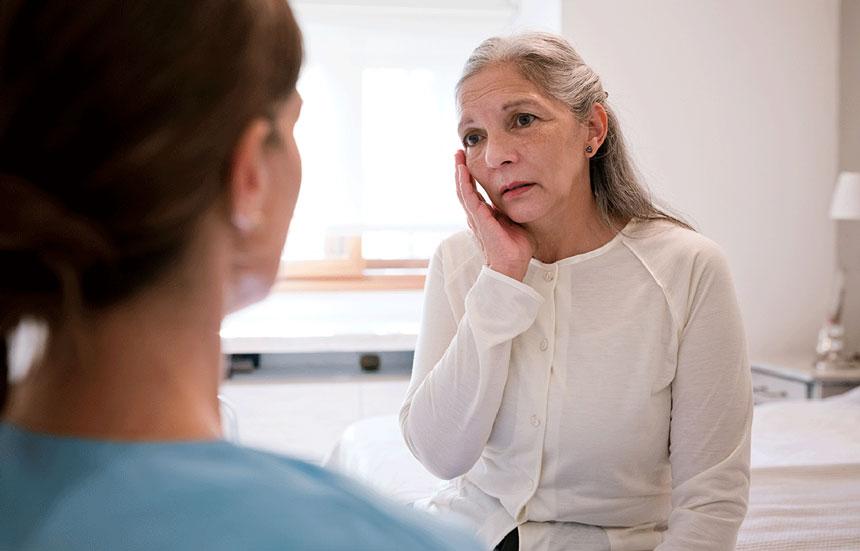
x=837, y=365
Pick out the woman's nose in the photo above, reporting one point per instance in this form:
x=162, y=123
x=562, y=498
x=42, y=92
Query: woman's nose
x=499, y=151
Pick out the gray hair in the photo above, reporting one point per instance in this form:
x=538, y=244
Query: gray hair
x=551, y=63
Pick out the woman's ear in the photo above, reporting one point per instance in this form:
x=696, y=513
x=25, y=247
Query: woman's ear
x=249, y=178
x=598, y=126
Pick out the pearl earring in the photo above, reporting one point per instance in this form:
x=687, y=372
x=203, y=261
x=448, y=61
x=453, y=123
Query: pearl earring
x=588, y=149
x=247, y=223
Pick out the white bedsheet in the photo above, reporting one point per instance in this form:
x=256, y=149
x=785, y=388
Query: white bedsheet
x=372, y=450
x=805, y=490
x=803, y=508
x=823, y=432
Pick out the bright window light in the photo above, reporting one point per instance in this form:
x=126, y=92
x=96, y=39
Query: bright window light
x=377, y=132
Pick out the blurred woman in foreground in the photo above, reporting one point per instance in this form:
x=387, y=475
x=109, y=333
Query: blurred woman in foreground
x=148, y=174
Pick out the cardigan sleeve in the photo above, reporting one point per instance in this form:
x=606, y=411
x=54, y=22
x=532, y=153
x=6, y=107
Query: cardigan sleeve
x=711, y=415
x=461, y=367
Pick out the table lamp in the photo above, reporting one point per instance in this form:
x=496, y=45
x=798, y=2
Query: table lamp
x=846, y=197
x=845, y=205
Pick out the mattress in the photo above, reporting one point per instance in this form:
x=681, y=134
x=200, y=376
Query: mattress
x=807, y=432
x=373, y=451
x=807, y=507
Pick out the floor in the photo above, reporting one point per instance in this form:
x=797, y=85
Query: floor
x=304, y=417
x=309, y=386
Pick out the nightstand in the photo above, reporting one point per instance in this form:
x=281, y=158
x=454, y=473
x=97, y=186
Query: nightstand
x=797, y=378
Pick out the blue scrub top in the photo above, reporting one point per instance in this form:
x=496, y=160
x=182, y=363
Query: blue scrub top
x=74, y=494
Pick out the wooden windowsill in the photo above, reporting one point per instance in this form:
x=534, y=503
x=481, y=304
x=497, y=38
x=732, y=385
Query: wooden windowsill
x=352, y=272
x=361, y=283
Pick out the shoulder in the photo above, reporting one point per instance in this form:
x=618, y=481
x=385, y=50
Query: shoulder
x=667, y=248
x=670, y=237
x=308, y=506
x=220, y=496
x=686, y=265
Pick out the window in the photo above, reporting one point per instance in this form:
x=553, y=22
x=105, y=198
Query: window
x=377, y=136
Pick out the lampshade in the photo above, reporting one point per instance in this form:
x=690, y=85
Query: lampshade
x=846, y=197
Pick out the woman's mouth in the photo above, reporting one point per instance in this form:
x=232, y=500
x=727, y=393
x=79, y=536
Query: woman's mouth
x=515, y=189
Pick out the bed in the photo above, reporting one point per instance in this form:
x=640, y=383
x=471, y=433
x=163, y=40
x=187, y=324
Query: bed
x=805, y=479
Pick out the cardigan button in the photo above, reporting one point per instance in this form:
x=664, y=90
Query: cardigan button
x=544, y=344
x=549, y=276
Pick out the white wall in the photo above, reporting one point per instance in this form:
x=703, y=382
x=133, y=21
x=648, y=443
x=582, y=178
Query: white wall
x=538, y=15
x=849, y=101
x=848, y=237
x=731, y=110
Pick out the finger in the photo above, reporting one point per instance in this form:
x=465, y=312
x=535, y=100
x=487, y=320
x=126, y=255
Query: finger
x=470, y=216
x=480, y=213
x=461, y=196
x=469, y=181
x=460, y=159
x=470, y=221
x=471, y=199
x=472, y=186
x=500, y=215
x=457, y=163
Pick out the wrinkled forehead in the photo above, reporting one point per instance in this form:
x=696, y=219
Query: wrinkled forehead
x=498, y=74
x=493, y=86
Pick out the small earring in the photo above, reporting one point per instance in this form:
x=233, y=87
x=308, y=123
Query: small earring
x=247, y=223
x=588, y=149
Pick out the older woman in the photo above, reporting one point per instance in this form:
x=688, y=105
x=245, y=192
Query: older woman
x=148, y=174
x=581, y=370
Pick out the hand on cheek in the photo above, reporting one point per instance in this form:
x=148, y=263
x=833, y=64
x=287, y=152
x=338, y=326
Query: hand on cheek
x=507, y=246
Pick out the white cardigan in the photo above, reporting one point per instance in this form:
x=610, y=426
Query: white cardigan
x=607, y=397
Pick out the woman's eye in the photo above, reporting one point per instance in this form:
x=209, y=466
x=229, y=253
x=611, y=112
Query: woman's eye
x=471, y=139
x=525, y=119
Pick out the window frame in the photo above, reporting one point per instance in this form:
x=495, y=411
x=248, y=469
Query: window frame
x=351, y=272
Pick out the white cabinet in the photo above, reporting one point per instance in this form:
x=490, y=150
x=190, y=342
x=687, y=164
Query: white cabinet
x=798, y=379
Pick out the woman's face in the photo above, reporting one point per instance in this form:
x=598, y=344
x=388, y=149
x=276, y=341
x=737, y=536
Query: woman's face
x=525, y=149
x=285, y=170
x=280, y=166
